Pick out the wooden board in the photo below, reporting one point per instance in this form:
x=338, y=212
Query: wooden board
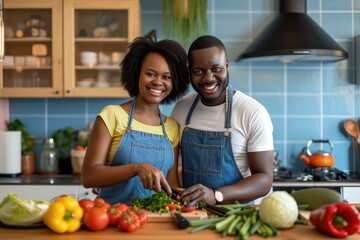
x=305, y=215
x=166, y=217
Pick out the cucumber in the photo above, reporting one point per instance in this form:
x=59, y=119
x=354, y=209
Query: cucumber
x=316, y=197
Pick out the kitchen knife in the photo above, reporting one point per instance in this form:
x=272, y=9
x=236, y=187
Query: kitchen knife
x=180, y=221
x=221, y=212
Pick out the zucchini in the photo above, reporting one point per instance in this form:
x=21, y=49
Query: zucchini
x=316, y=197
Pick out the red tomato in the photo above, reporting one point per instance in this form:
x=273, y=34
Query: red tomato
x=129, y=222
x=143, y=215
x=187, y=209
x=114, y=216
x=86, y=203
x=101, y=203
x=121, y=207
x=99, y=200
x=96, y=219
x=171, y=206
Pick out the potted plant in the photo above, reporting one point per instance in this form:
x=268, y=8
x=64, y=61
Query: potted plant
x=184, y=20
x=65, y=140
x=27, y=143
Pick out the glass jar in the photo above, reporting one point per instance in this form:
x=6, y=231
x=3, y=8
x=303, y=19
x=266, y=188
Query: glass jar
x=49, y=162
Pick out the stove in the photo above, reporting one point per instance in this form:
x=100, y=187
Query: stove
x=309, y=174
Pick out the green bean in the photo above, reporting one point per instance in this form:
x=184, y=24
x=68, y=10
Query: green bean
x=220, y=226
x=231, y=230
x=195, y=223
x=245, y=228
x=255, y=226
x=202, y=227
x=240, y=211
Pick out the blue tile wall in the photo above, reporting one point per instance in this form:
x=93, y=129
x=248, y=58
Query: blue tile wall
x=305, y=100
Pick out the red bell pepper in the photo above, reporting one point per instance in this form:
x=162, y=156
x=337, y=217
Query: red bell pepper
x=337, y=220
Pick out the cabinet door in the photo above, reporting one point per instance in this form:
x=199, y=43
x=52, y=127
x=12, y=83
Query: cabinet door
x=41, y=192
x=33, y=49
x=351, y=194
x=96, y=34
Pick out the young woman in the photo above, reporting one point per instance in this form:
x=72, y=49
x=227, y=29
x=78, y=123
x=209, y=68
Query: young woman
x=133, y=148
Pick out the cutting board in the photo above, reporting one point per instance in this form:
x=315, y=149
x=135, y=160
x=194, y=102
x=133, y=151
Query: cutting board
x=166, y=217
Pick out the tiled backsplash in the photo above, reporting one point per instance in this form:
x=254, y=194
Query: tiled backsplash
x=305, y=100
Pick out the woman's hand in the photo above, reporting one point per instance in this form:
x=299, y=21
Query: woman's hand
x=151, y=177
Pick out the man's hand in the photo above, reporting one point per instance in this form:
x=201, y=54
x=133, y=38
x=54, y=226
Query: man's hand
x=198, y=193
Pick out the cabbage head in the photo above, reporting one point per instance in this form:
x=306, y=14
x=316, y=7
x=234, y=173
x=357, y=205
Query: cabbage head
x=17, y=212
x=279, y=209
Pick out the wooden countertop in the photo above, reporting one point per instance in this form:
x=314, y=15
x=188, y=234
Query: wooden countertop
x=157, y=231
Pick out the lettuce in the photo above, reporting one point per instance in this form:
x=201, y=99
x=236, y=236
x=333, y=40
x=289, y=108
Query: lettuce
x=17, y=212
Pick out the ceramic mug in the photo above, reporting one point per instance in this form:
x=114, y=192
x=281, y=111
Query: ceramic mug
x=88, y=58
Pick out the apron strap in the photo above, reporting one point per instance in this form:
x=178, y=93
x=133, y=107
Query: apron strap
x=131, y=117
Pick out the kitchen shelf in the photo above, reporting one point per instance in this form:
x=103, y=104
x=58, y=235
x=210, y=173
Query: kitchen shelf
x=68, y=28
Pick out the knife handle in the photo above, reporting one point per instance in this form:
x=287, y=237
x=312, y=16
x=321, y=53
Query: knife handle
x=180, y=221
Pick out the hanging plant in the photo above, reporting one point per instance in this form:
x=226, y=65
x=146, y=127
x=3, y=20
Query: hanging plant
x=184, y=20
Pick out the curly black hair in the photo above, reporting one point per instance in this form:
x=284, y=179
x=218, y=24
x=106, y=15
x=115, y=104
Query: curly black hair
x=175, y=56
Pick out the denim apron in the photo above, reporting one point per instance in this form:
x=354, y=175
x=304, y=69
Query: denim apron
x=136, y=147
x=207, y=156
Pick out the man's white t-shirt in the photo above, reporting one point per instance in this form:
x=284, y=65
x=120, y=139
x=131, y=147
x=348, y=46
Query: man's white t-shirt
x=251, y=126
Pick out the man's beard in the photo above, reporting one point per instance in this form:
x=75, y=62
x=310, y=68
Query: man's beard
x=212, y=101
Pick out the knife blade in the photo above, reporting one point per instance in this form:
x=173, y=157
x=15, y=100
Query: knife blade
x=221, y=212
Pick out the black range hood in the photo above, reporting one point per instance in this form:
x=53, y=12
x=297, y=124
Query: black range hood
x=293, y=37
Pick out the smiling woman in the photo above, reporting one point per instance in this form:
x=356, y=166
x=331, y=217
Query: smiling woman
x=133, y=148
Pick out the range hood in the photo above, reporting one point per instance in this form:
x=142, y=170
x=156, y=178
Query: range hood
x=293, y=37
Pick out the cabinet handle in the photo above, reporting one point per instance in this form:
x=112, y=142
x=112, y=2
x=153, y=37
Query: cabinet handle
x=68, y=91
x=56, y=92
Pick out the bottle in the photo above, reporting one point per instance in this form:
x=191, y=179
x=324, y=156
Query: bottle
x=49, y=162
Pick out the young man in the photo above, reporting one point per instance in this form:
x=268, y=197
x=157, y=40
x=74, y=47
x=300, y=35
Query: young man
x=226, y=141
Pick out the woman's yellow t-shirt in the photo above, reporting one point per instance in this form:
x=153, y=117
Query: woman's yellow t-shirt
x=116, y=120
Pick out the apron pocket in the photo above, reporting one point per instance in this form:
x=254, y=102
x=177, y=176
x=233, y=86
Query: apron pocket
x=210, y=162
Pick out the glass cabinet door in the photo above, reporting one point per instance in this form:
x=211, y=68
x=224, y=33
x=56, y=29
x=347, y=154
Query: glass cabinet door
x=32, y=66
x=95, y=44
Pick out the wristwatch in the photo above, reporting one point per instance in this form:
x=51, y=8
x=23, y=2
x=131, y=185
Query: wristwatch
x=219, y=197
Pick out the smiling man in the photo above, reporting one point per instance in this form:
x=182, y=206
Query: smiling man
x=226, y=136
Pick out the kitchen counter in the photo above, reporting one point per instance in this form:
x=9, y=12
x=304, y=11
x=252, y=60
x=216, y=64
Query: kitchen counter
x=42, y=180
x=76, y=180
x=157, y=231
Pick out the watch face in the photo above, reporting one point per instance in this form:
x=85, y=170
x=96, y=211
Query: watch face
x=219, y=196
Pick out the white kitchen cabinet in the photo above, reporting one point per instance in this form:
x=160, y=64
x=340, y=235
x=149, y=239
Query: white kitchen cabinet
x=351, y=194
x=42, y=192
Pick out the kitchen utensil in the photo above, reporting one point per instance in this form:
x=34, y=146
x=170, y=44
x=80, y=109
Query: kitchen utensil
x=319, y=159
x=180, y=221
x=352, y=129
x=221, y=212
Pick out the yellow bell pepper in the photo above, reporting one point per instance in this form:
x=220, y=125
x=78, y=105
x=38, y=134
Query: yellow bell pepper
x=63, y=215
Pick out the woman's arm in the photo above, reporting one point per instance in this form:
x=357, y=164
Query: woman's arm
x=96, y=174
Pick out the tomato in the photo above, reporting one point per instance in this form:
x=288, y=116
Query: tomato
x=129, y=222
x=187, y=209
x=142, y=215
x=114, y=216
x=171, y=206
x=101, y=203
x=121, y=207
x=86, y=203
x=99, y=200
x=96, y=219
